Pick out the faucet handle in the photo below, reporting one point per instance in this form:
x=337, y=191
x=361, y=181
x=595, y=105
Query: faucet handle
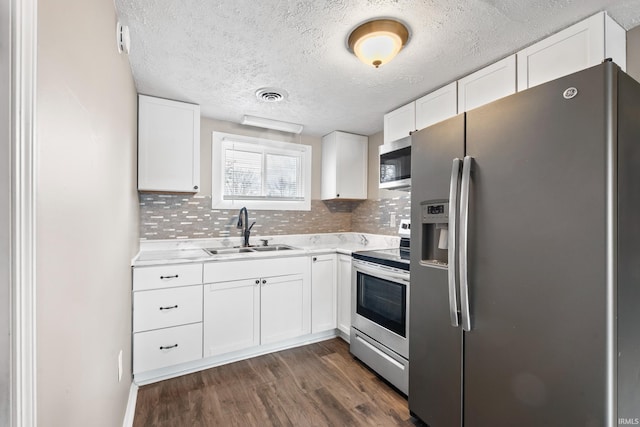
x=265, y=242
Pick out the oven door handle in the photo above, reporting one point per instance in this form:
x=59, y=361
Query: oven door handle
x=379, y=272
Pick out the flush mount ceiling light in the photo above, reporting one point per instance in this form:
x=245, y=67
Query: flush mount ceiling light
x=379, y=41
x=272, y=124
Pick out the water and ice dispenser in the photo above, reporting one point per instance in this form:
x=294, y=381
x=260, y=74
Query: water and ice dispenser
x=435, y=233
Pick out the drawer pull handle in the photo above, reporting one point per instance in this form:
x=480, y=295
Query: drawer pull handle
x=169, y=308
x=168, y=347
x=169, y=277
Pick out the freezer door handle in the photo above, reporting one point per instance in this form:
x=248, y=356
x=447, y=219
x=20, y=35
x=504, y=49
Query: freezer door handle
x=453, y=212
x=464, y=238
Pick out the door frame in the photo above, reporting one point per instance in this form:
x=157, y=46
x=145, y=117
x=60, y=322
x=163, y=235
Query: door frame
x=21, y=57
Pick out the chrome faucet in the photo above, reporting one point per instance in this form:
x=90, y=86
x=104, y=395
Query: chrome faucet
x=243, y=224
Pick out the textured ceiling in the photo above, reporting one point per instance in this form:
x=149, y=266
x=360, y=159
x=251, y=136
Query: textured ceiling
x=218, y=53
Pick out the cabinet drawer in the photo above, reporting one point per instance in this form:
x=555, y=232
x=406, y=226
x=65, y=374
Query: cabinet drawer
x=166, y=347
x=166, y=307
x=166, y=276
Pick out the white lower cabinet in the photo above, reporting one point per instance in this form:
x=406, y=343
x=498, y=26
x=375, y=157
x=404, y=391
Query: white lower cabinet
x=167, y=316
x=323, y=292
x=186, y=312
x=248, y=303
x=231, y=316
x=166, y=347
x=282, y=308
x=344, y=293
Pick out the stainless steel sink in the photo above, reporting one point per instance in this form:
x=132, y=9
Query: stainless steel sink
x=221, y=251
x=272, y=248
x=241, y=250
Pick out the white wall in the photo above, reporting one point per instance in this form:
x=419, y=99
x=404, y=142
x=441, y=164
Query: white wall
x=633, y=52
x=5, y=214
x=208, y=126
x=86, y=214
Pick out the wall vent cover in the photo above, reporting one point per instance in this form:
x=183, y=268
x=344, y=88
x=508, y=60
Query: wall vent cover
x=271, y=94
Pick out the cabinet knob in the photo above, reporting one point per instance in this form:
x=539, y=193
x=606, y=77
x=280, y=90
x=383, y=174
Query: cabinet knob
x=195, y=187
x=337, y=195
x=264, y=281
x=315, y=259
x=257, y=281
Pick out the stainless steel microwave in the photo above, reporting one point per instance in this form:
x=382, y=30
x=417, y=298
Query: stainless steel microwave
x=395, y=164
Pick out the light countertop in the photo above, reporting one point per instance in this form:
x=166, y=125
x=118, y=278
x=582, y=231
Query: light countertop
x=160, y=252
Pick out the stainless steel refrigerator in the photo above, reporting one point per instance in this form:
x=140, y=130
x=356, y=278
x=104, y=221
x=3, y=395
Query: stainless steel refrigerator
x=525, y=261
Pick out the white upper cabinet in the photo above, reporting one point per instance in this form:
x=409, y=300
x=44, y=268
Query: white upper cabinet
x=344, y=166
x=436, y=106
x=488, y=84
x=580, y=46
x=400, y=123
x=168, y=145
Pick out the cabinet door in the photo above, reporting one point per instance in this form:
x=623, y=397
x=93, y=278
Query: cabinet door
x=282, y=308
x=323, y=293
x=437, y=106
x=352, y=166
x=488, y=84
x=168, y=145
x=580, y=46
x=231, y=316
x=399, y=123
x=344, y=293
x=329, y=184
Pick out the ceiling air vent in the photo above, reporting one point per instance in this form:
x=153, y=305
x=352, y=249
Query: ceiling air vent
x=271, y=94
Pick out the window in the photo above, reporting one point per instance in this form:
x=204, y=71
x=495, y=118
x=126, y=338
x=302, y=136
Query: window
x=260, y=173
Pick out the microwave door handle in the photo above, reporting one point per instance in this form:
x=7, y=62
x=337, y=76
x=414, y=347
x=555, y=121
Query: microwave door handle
x=453, y=210
x=464, y=240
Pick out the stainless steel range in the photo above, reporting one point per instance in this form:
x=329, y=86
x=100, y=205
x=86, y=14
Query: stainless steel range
x=380, y=310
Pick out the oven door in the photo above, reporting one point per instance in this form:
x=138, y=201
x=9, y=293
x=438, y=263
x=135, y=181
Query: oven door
x=380, y=304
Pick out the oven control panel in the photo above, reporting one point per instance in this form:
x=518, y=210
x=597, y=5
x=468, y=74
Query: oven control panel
x=405, y=228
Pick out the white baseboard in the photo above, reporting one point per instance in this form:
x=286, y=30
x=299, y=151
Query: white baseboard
x=344, y=335
x=131, y=406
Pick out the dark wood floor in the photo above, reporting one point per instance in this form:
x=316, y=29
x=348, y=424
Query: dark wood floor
x=316, y=385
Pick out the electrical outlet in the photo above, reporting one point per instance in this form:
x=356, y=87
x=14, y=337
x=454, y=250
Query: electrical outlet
x=120, y=366
x=392, y=220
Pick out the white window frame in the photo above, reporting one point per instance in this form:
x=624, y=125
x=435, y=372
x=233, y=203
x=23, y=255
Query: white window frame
x=217, y=174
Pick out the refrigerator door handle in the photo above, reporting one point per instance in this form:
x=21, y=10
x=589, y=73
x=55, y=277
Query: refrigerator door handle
x=464, y=237
x=453, y=212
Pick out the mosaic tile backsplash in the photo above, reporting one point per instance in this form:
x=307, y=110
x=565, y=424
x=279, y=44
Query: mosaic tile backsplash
x=169, y=216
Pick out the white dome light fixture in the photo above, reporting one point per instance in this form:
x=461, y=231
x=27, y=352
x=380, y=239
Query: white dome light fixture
x=378, y=41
